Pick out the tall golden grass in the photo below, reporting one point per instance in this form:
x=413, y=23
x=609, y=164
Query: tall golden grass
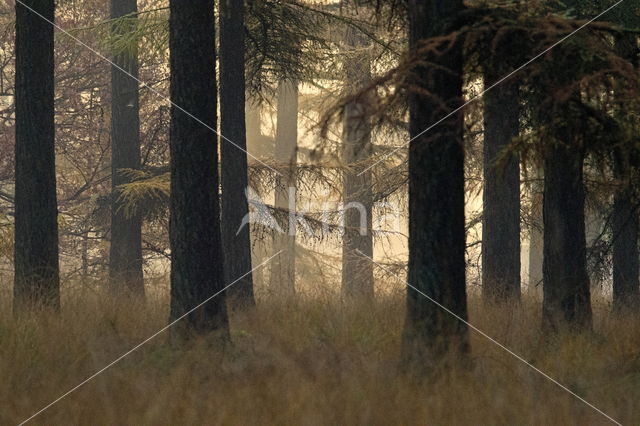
x=310, y=360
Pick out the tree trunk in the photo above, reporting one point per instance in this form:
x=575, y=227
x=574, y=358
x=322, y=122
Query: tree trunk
x=501, y=204
x=256, y=144
x=626, y=289
x=436, y=197
x=357, y=243
x=253, y=120
x=594, y=224
x=125, y=255
x=283, y=267
x=626, y=257
x=195, y=236
x=566, y=290
x=535, y=234
x=37, y=277
x=237, y=240
x=85, y=255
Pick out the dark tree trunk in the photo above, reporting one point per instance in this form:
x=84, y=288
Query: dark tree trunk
x=566, y=299
x=501, y=204
x=626, y=290
x=125, y=255
x=37, y=274
x=357, y=243
x=237, y=241
x=195, y=236
x=625, y=223
x=436, y=197
x=283, y=267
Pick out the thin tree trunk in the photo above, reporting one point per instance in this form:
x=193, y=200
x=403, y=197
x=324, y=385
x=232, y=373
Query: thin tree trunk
x=125, y=255
x=626, y=255
x=436, y=197
x=594, y=223
x=85, y=255
x=237, y=240
x=501, y=204
x=253, y=124
x=283, y=267
x=566, y=299
x=357, y=243
x=195, y=236
x=37, y=276
x=255, y=145
x=535, y=234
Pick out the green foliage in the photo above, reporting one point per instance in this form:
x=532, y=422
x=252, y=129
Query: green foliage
x=284, y=42
x=625, y=14
x=569, y=85
x=145, y=31
x=146, y=195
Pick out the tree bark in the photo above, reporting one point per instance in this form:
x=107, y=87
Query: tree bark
x=125, y=255
x=195, y=236
x=436, y=197
x=283, y=267
x=501, y=203
x=37, y=277
x=625, y=222
x=237, y=241
x=566, y=290
x=357, y=243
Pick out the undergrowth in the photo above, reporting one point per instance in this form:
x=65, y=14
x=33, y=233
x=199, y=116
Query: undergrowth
x=310, y=360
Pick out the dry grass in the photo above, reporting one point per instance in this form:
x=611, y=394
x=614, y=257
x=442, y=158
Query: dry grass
x=310, y=361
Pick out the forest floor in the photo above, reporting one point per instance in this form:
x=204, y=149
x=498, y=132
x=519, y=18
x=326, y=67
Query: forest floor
x=313, y=360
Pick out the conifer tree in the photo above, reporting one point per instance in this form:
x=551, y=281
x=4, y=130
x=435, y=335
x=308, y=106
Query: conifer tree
x=125, y=255
x=436, y=195
x=36, y=279
x=195, y=235
x=234, y=178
